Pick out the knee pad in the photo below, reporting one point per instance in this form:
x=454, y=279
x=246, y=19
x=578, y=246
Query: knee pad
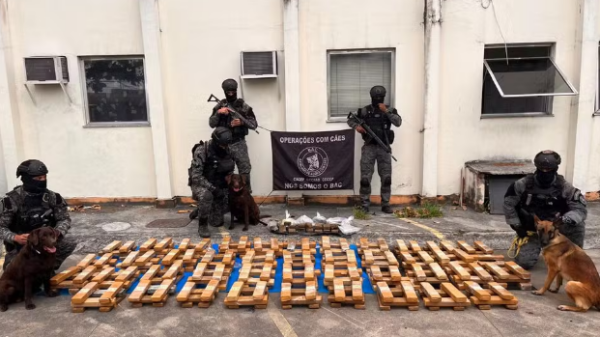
x=364, y=182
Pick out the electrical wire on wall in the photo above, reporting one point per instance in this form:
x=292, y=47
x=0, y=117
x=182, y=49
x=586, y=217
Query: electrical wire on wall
x=490, y=3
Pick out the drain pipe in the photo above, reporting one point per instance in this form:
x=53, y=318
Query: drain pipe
x=433, y=19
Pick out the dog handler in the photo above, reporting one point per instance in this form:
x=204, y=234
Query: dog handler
x=545, y=194
x=31, y=206
x=211, y=164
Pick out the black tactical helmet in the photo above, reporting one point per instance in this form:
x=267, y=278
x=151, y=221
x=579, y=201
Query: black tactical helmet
x=222, y=135
x=229, y=85
x=377, y=91
x=32, y=168
x=547, y=160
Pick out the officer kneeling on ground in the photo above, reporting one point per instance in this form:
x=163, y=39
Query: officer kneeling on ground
x=211, y=164
x=545, y=194
x=32, y=206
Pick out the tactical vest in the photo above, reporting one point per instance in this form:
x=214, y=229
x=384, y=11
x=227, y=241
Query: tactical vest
x=240, y=132
x=216, y=168
x=33, y=211
x=544, y=202
x=378, y=122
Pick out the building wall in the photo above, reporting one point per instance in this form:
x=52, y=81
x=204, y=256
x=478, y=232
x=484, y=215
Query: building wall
x=103, y=162
x=3, y=185
x=200, y=47
x=379, y=24
x=467, y=27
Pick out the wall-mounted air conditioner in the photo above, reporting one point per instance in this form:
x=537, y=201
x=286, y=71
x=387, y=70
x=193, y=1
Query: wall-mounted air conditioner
x=259, y=64
x=46, y=70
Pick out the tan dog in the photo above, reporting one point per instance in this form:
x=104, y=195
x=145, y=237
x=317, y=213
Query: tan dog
x=565, y=260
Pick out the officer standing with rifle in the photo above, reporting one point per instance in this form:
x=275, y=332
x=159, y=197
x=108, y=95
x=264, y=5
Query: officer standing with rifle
x=233, y=113
x=374, y=122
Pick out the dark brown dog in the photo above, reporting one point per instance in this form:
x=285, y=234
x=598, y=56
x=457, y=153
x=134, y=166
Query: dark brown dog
x=30, y=268
x=241, y=204
x=566, y=260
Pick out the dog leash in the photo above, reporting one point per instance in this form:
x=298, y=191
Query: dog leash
x=517, y=243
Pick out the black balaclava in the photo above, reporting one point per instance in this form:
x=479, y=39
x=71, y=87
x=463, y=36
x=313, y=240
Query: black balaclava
x=547, y=161
x=27, y=171
x=545, y=179
x=230, y=85
x=221, y=137
x=377, y=95
x=33, y=186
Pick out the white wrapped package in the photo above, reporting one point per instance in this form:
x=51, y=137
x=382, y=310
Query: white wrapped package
x=346, y=227
x=303, y=220
x=319, y=219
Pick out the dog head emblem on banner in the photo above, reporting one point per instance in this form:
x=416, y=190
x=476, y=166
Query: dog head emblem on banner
x=312, y=161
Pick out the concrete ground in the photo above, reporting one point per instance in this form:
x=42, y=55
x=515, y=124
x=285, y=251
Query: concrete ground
x=96, y=228
x=536, y=316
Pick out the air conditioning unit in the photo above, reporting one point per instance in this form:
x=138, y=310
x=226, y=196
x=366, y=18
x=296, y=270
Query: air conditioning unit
x=46, y=70
x=259, y=64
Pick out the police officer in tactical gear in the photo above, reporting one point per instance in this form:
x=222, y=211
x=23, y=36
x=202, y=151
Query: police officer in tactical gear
x=31, y=206
x=221, y=117
x=211, y=164
x=545, y=194
x=379, y=117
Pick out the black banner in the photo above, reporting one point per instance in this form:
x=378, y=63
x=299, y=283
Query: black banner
x=313, y=160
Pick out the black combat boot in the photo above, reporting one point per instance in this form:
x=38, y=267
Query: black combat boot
x=387, y=209
x=203, y=228
x=364, y=209
x=194, y=214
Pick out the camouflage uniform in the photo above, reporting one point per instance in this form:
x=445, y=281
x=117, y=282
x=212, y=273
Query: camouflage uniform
x=17, y=211
x=380, y=123
x=207, y=180
x=526, y=197
x=238, y=148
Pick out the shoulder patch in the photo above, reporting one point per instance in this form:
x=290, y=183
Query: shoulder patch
x=5, y=203
x=59, y=199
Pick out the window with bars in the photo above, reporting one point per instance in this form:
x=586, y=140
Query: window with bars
x=352, y=74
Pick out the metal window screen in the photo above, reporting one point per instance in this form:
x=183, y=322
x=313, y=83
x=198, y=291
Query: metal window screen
x=352, y=75
x=40, y=69
x=258, y=63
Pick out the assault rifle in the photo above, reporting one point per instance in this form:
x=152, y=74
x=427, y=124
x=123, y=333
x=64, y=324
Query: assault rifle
x=371, y=134
x=234, y=113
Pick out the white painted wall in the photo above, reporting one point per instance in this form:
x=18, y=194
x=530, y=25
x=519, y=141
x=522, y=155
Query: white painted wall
x=3, y=185
x=466, y=29
x=356, y=24
x=200, y=45
x=202, y=42
x=103, y=162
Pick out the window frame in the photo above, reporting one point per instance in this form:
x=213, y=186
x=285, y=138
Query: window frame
x=86, y=111
x=390, y=91
x=597, y=103
x=550, y=102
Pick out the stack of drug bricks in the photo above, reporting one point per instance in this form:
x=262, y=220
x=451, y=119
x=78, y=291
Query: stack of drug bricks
x=98, y=282
x=393, y=290
x=256, y=275
x=210, y=276
x=479, y=264
x=287, y=226
x=157, y=282
x=299, y=285
x=468, y=268
x=342, y=275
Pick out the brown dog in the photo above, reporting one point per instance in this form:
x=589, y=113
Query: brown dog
x=566, y=260
x=30, y=268
x=241, y=204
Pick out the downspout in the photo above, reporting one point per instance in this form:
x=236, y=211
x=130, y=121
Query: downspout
x=433, y=20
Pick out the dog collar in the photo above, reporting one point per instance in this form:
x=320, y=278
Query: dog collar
x=37, y=251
